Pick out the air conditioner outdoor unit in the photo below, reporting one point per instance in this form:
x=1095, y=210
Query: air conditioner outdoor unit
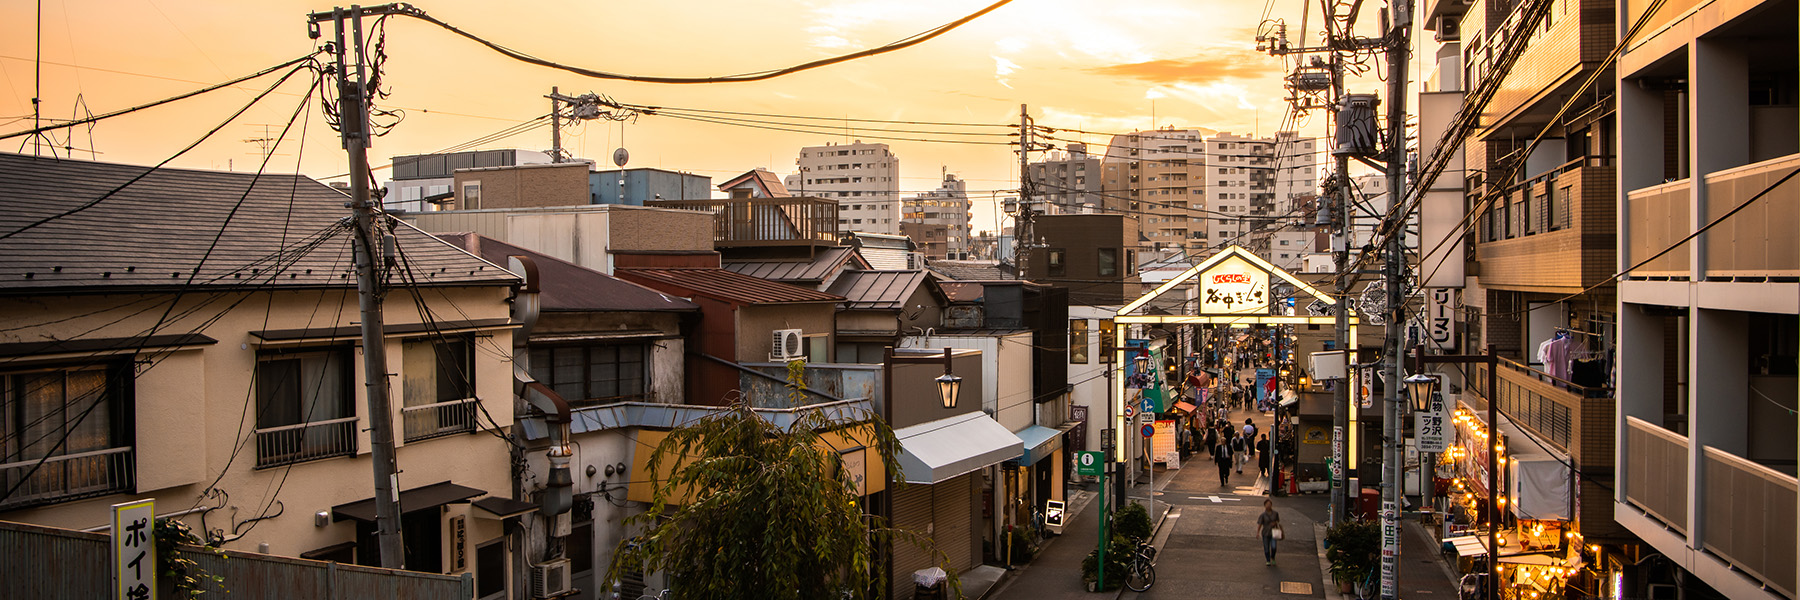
x=551, y=579
x=786, y=345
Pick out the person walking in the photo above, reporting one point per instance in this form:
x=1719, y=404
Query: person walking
x=1263, y=457
x=1238, y=447
x=1268, y=525
x=1212, y=441
x=1222, y=458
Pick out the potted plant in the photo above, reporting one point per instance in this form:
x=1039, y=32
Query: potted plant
x=1117, y=552
x=1354, y=549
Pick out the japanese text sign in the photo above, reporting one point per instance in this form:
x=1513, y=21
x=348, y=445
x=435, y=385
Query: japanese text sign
x=134, y=550
x=1234, y=286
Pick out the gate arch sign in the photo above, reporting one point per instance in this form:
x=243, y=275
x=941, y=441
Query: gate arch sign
x=1233, y=287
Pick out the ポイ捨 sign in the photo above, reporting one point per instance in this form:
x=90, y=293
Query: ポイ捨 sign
x=134, y=550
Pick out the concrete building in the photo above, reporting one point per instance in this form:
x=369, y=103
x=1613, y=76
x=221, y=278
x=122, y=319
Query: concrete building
x=1069, y=182
x=636, y=186
x=521, y=186
x=938, y=220
x=418, y=176
x=863, y=178
x=1707, y=143
x=1160, y=177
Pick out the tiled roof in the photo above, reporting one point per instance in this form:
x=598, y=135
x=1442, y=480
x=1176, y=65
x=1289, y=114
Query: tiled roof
x=877, y=290
x=816, y=270
x=969, y=270
x=152, y=235
x=724, y=285
x=566, y=286
x=764, y=180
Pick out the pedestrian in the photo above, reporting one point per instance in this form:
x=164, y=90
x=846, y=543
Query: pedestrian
x=1249, y=428
x=1238, y=447
x=1263, y=456
x=1212, y=440
x=1222, y=458
x=1268, y=524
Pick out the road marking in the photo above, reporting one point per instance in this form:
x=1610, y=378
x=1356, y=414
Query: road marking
x=1296, y=587
x=1214, y=499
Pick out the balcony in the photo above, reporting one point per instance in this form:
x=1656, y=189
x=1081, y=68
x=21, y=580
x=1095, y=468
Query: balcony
x=1554, y=233
x=1748, y=517
x=749, y=222
x=287, y=444
x=1759, y=242
x=68, y=477
x=1556, y=410
x=1656, y=217
x=439, y=419
x=1656, y=472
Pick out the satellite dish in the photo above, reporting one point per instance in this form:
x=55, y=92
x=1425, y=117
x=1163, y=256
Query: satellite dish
x=620, y=157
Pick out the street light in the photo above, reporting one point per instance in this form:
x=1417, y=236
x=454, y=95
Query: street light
x=949, y=385
x=1492, y=360
x=1419, y=387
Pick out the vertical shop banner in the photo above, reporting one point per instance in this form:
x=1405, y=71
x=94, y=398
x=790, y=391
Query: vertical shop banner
x=1163, y=444
x=1440, y=319
x=1263, y=378
x=134, y=550
x=1429, y=426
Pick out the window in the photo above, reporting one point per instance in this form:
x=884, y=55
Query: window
x=490, y=569
x=1056, y=261
x=1130, y=262
x=439, y=381
x=471, y=195
x=1078, y=341
x=592, y=375
x=74, y=421
x=304, y=407
x=1106, y=341
x=1108, y=261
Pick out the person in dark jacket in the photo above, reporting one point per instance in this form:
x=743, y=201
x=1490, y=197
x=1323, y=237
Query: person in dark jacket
x=1262, y=454
x=1222, y=457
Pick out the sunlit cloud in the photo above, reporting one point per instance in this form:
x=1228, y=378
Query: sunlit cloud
x=1003, y=68
x=1207, y=68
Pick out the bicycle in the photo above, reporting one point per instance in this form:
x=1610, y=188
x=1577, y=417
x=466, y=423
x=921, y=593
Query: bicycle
x=1141, y=573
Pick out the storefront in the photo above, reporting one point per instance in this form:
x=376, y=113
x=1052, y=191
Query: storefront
x=1541, y=552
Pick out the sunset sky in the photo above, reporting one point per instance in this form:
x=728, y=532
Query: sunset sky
x=1094, y=66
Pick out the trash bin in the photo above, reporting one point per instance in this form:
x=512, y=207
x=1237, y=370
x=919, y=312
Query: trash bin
x=930, y=583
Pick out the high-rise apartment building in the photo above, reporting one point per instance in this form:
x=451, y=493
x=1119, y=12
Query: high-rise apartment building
x=1069, y=182
x=938, y=221
x=1159, y=177
x=863, y=178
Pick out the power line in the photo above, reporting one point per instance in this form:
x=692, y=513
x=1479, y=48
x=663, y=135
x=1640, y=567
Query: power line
x=739, y=78
x=124, y=111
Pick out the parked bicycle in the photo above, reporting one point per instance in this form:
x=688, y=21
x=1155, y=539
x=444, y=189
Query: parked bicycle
x=1141, y=573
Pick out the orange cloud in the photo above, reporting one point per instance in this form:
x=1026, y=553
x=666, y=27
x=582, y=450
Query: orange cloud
x=1210, y=68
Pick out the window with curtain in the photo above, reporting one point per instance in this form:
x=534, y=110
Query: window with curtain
x=304, y=405
x=52, y=414
x=438, y=369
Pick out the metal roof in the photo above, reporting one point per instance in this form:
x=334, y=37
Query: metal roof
x=969, y=270
x=816, y=270
x=721, y=284
x=72, y=226
x=566, y=286
x=877, y=290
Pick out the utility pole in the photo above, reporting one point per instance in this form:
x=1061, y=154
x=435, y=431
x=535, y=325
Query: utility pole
x=1398, y=50
x=556, y=151
x=1022, y=244
x=353, y=112
x=1340, y=241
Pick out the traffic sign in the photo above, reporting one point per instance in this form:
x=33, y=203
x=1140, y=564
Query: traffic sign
x=1090, y=463
x=1148, y=430
x=1129, y=412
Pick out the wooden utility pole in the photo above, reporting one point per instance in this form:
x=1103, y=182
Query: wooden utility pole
x=353, y=111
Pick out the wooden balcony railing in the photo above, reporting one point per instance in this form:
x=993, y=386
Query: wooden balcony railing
x=766, y=221
x=302, y=442
x=1656, y=472
x=68, y=476
x=427, y=421
x=1759, y=241
x=1657, y=217
x=1748, y=513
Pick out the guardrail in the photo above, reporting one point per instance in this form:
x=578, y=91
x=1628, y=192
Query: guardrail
x=68, y=476
x=766, y=221
x=438, y=419
x=1749, y=519
x=301, y=442
x=1758, y=241
x=1656, y=472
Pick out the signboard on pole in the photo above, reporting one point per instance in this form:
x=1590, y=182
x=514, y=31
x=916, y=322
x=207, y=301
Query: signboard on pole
x=1090, y=463
x=1440, y=318
x=1163, y=444
x=1429, y=426
x=134, y=551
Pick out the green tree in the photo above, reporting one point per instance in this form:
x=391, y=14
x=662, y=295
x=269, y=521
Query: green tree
x=754, y=510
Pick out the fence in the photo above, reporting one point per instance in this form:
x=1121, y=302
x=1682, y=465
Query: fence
x=43, y=563
x=438, y=419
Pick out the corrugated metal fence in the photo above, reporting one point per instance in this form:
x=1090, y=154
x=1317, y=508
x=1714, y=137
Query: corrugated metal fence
x=56, y=564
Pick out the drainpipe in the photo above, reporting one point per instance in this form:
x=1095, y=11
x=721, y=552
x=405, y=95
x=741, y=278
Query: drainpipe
x=558, y=497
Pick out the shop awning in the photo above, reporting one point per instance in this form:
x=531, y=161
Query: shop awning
x=1040, y=441
x=1185, y=406
x=1467, y=545
x=939, y=450
x=421, y=498
x=502, y=508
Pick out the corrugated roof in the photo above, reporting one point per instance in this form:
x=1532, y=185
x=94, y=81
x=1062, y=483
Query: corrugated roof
x=151, y=235
x=818, y=269
x=877, y=290
x=566, y=286
x=724, y=285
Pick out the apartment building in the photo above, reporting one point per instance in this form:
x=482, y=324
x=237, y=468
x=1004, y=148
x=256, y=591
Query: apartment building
x=938, y=220
x=1707, y=146
x=863, y=178
x=1068, y=182
x=1159, y=177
